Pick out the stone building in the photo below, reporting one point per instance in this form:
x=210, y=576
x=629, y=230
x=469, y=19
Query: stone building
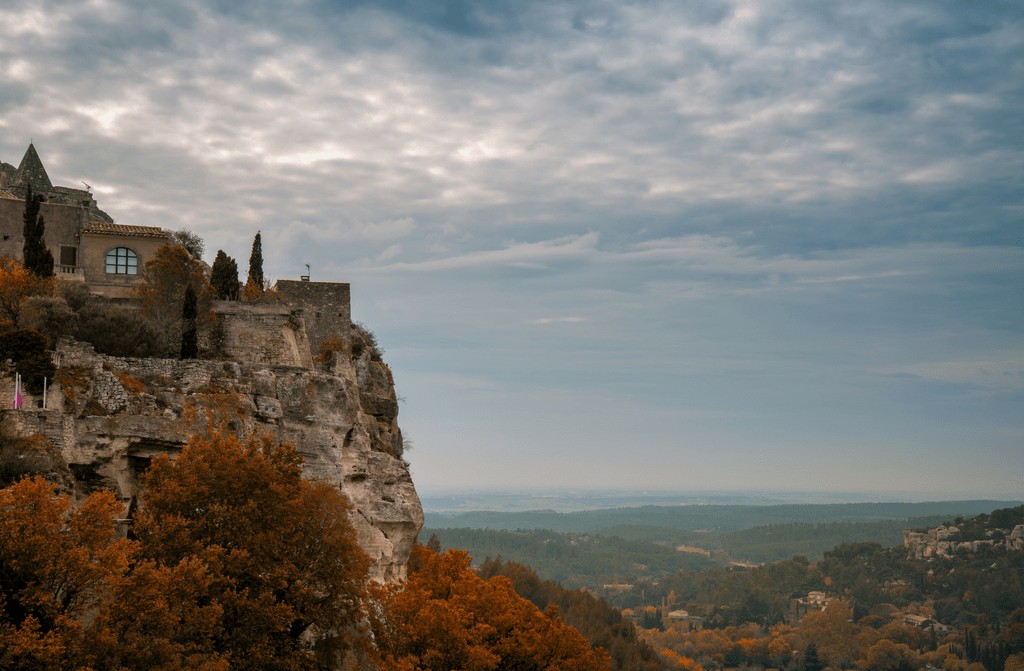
x=86, y=244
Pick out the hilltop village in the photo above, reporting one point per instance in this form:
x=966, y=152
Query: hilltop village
x=289, y=362
x=201, y=474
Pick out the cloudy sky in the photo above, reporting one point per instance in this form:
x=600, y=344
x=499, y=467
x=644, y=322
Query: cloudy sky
x=715, y=244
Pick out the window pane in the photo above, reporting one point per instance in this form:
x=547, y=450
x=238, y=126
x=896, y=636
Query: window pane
x=122, y=261
x=68, y=256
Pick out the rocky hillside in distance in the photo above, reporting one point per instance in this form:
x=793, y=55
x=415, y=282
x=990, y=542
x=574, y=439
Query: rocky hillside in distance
x=1001, y=529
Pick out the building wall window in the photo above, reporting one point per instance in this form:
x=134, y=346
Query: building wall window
x=122, y=261
x=68, y=256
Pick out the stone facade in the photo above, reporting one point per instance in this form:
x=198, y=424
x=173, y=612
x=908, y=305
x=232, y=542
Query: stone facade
x=78, y=233
x=326, y=309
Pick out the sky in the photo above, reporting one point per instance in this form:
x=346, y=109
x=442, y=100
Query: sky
x=658, y=245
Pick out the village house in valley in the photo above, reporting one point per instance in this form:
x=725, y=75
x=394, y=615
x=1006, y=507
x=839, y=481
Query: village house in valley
x=86, y=244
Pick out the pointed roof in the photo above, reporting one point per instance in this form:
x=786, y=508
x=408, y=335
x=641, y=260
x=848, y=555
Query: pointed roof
x=31, y=170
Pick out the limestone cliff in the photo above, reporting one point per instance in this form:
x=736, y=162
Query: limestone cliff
x=109, y=416
x=942, y=541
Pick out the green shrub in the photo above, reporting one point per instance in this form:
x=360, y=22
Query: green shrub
x=51, y=316
x=118, y=331
x=363, y=339
x=26, y=349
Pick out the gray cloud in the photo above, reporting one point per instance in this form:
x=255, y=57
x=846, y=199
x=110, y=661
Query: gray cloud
x=696, y=210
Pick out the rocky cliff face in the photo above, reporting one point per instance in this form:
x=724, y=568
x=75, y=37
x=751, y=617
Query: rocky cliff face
x=109, y=416
x=941, y=541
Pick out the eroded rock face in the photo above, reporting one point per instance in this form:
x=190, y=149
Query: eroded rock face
x=112, y=415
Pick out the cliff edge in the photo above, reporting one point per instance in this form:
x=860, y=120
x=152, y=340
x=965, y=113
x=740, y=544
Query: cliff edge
x=109, y=416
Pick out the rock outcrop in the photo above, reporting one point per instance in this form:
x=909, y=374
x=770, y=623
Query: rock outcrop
x=942, y=541
x=110, y=416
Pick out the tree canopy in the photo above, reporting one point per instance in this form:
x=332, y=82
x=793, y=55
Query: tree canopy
x=224, y=277
x=448, y=617
x=17, y=285
x=165, y=280
x=236, y=562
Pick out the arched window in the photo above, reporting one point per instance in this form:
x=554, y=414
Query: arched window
x=122, y=261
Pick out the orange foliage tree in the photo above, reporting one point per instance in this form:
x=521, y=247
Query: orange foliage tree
x=56, y=566
x=448, y=617
x=162, y=294
x=275, y=554
x=239, y=562
x=18, y=284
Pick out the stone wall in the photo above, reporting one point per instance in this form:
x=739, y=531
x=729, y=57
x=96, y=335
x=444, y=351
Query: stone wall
x=62, y=225
x=326, y=310
x=261, y=333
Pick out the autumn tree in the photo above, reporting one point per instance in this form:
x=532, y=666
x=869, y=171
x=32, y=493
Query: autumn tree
x=834, y=634
x=17, y=285
x=22, y=456
x=38, y=259
x=885, y=655
x=159, y=618
x=56, y=566
x=448, y=617
x=165, y=280
x=599, y=623
x=278, y=554
x=224, y=277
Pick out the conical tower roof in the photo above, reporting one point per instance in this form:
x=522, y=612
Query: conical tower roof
x=31, y=170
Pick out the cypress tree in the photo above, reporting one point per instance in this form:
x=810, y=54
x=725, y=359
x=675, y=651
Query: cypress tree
x=189, y=337
x=224, y=277
x=811, y=660
x=256, y=263
x=36, y=257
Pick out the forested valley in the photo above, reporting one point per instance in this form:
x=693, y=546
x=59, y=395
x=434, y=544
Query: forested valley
x=857, y=605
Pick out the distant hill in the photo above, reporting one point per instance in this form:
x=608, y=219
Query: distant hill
x=592, y=548
x=710, y=517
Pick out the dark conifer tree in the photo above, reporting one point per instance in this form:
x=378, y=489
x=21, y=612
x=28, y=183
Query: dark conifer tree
x=36, y=257
x=256, y=263
x=189, y=337
x=224, y=277
x=811, y=660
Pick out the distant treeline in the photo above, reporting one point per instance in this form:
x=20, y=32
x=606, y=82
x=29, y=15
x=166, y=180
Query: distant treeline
x=711, y=517
x=636, y=551
x=573, y=560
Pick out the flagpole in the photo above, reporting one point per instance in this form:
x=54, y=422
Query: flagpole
x=44, y=393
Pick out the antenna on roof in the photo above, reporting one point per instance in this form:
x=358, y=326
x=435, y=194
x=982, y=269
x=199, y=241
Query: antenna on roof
x=87, y=187
x=305, y=278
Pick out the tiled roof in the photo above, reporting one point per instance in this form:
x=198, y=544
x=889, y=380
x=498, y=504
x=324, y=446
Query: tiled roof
x=103, y=228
